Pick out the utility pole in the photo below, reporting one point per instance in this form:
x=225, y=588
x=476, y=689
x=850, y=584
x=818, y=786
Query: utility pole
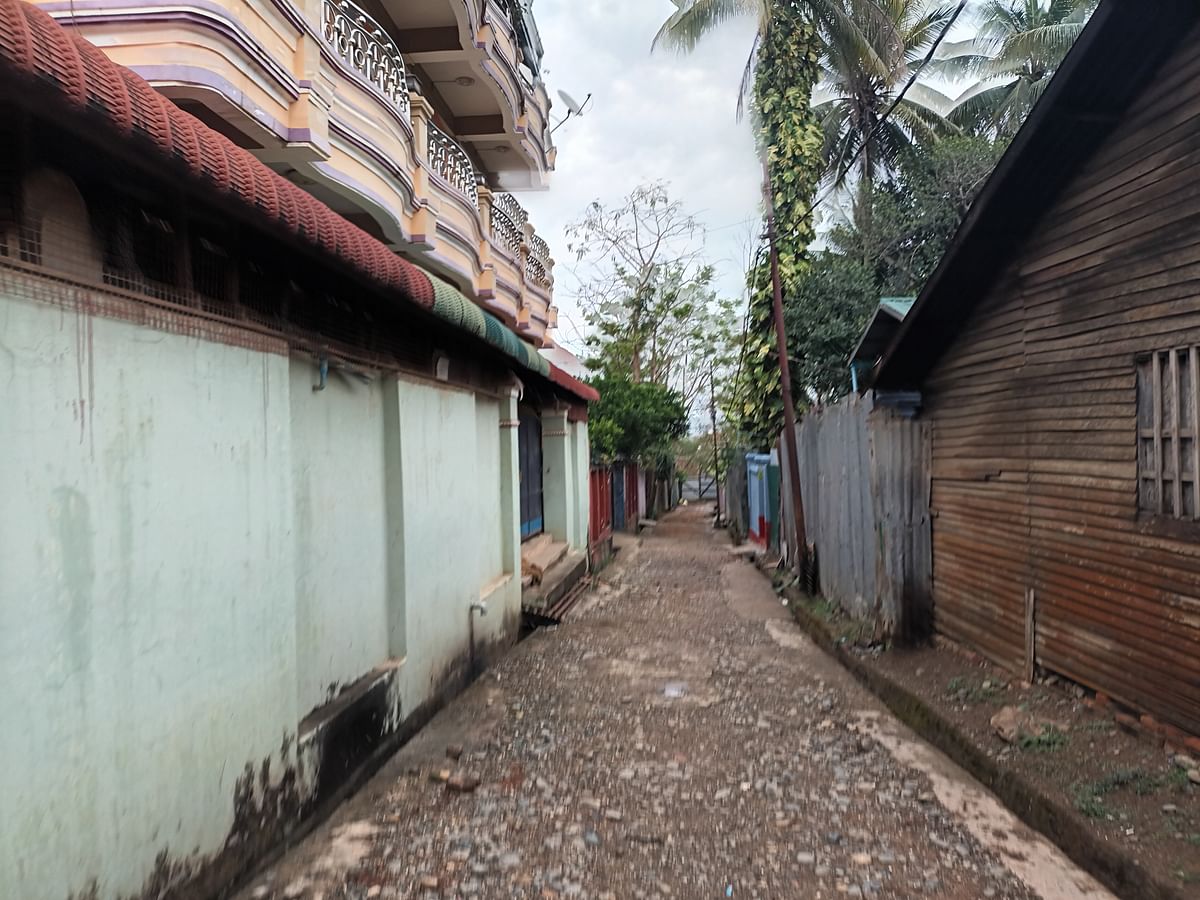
x=785, y=377
x=712, y=405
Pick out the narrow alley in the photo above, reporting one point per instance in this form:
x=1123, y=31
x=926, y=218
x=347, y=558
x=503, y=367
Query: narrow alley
x=677, y=737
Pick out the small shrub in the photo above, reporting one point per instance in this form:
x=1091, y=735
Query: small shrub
x=1089, y=796
x=967, y=690
x=1048, y=741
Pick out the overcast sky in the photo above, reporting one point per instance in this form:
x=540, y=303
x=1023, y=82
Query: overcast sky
x=652, y=116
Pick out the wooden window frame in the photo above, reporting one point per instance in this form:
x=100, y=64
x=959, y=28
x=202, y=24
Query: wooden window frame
x=1168, y=485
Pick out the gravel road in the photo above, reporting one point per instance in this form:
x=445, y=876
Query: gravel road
x=677, y=737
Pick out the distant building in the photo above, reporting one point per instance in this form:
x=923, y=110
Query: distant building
x=878, y=335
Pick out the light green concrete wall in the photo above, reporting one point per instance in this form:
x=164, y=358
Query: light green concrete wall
x=194, y=546
x=441, y=496
x=340, y=530
x=486, y=475
x=147, y=639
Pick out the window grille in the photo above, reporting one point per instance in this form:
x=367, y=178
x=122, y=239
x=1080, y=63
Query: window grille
x=1168, y=422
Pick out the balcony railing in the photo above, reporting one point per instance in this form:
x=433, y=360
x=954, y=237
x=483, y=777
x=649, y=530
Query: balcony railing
x=362, y=42
x=452, y=164
x=537, y=267
x=508, y=223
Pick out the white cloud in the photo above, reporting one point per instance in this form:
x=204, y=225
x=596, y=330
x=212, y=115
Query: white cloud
x=652, y=117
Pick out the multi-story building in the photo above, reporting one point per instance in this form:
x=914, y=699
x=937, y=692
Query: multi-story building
x=269, y=454
x=414, y=119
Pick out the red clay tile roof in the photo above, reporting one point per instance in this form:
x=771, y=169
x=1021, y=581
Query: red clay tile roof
x=35, y=45
x=572, y=384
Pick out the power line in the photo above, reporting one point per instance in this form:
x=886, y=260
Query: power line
x=896, y=102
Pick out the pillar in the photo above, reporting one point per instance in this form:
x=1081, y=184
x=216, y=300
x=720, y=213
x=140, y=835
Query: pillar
x=510, y=486
x=558, y=496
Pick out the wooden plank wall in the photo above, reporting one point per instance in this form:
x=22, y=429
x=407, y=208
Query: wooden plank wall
x=1035, y=439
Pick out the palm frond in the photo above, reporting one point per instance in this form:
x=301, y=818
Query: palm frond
x=747, y=83
x=1045, y=45
x=694, y=19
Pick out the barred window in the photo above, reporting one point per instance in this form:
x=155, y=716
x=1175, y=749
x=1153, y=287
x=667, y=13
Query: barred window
x=1167, y=422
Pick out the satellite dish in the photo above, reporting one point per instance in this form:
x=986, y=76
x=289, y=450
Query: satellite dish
x=573, y=106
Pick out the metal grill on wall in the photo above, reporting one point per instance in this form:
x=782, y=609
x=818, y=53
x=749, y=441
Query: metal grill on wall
x=93, y=228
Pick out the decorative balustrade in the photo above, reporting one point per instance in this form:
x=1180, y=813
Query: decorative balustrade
x=452, y=164
x=508, y=223
x=537, y=266
x=362, y=42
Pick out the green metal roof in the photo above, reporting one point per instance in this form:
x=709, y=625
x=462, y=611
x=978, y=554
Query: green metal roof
x=899, y=305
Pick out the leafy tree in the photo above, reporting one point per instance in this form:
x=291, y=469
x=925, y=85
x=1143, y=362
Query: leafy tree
x=862, y=74
x=647, y=295
x=833, y=303
x=1020, y=45
x=635, y=420
x=916, y=214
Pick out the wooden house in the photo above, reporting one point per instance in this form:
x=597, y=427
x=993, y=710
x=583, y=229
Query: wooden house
x=1056, y=350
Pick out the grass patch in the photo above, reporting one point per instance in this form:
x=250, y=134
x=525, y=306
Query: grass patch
x=1097, y=726
x=1177, y=778
x=1194, y=840
x=968, y=690
x=1089, y=796
x=842, y=628
x=1049, y=740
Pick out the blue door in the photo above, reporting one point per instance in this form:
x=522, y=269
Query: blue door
x=529, y=453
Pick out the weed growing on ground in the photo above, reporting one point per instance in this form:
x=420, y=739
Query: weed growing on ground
x=967, y=690
x=1177, y=778
x=1096, y=726
x=1048, y=741
x=1194, y=840
x=1089, y=796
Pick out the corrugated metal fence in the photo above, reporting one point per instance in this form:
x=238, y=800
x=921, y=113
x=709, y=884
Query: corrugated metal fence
x=864, y=474
x=735, y=506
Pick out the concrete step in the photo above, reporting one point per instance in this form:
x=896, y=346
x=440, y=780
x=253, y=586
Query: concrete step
x=543, y=599
x=540, y=554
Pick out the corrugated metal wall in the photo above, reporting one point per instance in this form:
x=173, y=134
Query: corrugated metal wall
x=864, y=474
x=1034, y=407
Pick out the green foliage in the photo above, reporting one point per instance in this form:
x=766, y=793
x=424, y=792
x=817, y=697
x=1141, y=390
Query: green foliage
x=915, y=215
x=647, y=295
x=973, y=691
x=862, y=73
x=635, y=420
x=1020, y=45
x=790, y=140
x=1048, y=740
x=830, y=305
x=1089, y=796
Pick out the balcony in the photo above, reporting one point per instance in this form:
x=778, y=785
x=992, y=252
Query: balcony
x=408, y=117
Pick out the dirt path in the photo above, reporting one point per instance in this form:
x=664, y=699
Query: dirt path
x=677, y=738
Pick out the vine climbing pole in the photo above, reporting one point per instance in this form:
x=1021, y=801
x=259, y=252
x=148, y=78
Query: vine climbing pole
x=790, y=141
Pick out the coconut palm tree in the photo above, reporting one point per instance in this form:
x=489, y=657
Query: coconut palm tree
x=693, y=20
x=1020, y=45
x=867, y=124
